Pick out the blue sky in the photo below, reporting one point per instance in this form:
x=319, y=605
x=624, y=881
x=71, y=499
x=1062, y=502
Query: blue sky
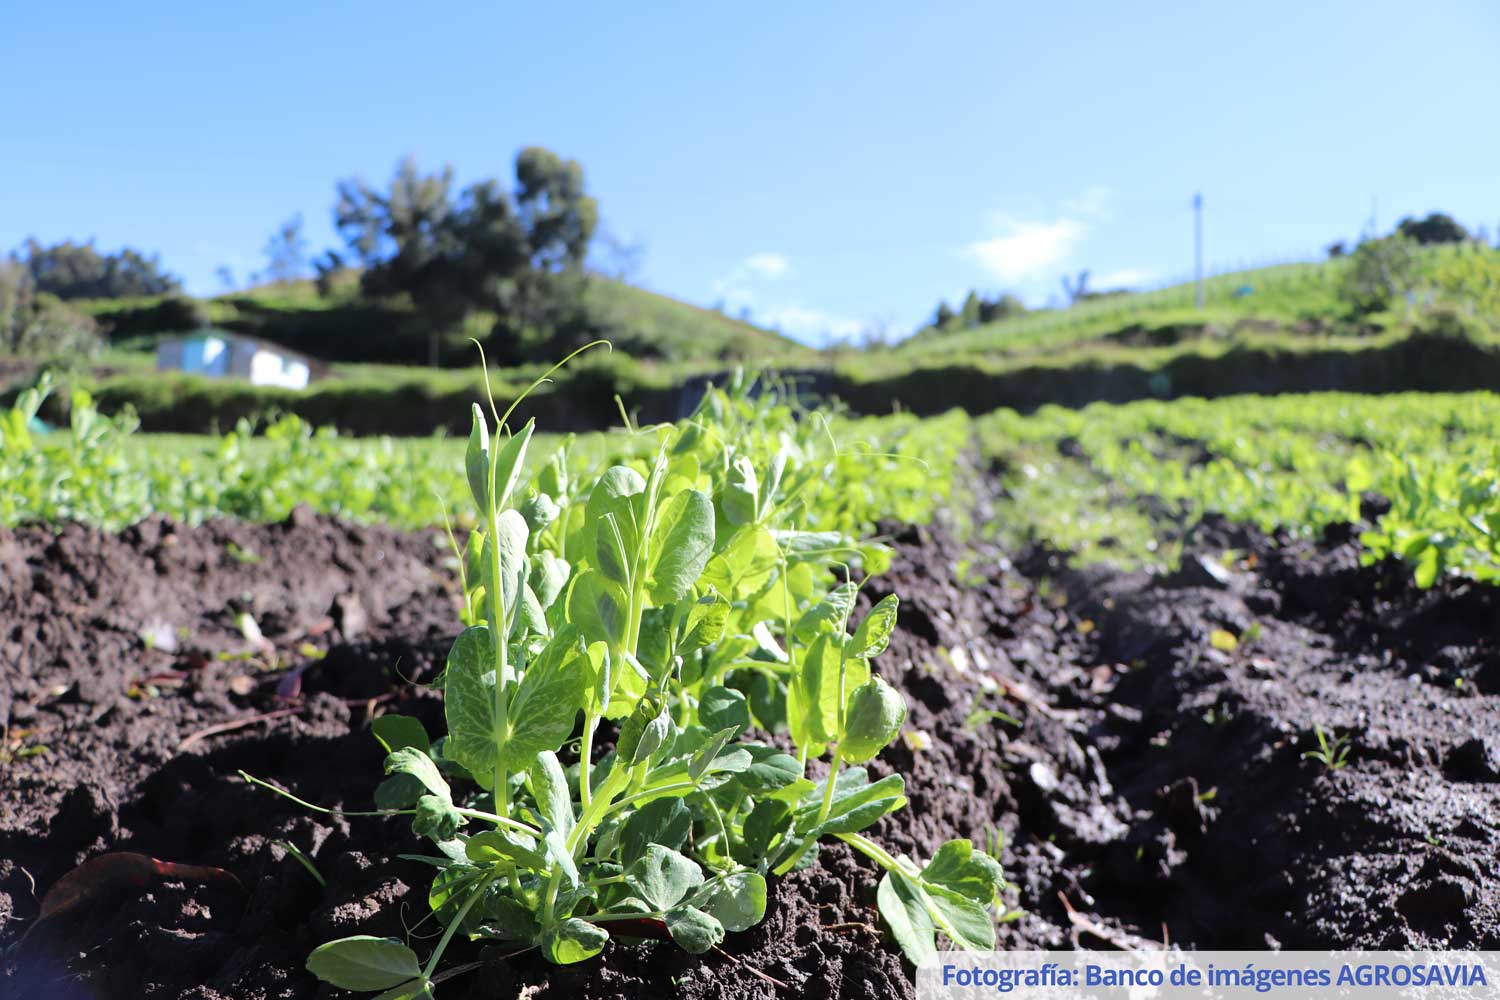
x=832, y=167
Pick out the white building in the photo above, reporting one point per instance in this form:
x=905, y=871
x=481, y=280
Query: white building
x=217, y=353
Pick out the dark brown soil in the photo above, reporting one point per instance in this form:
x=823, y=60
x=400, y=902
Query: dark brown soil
x=1153, y=789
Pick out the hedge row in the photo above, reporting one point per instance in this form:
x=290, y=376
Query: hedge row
x=1443, y=359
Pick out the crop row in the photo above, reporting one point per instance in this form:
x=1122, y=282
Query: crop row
x=99, y=470
x=1117, y=483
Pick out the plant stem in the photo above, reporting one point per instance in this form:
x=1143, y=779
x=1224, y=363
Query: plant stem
x=832, y=780
x=586, y=761
x=683, y=786
x=603, y=918
x=883, y=858
x=470, y=813
x=448, y=933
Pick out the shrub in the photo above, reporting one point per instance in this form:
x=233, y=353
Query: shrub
x=38, y=325
x=1379, y=272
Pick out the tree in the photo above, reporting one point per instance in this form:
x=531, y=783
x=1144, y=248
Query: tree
x=968, y=313
x=38, y=324
x=71, y=270
x=1003, y=306
x=1379, y=272
x=286, y=252
x=943, y=317
x=1437, y=227
x=1076, y=289
x=327, y=270
x=484, y=248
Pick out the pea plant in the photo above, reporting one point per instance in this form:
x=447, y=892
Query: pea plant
x=670, y=605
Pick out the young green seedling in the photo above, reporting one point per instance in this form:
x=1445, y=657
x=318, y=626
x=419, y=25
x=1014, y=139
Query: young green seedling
x=680, y=599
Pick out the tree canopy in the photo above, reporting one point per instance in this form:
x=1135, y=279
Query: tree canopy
x=1437, y=227
x=71, y=270
x=455, y=252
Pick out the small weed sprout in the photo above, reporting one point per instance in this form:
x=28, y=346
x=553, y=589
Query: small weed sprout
x=1331, y=753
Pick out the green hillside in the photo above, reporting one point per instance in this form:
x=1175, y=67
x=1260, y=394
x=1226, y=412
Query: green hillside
x=343, y=327
x=1290, y=328
x=1298, y=299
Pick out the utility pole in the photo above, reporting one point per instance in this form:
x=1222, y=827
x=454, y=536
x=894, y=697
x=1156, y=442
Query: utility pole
x=1198, y=247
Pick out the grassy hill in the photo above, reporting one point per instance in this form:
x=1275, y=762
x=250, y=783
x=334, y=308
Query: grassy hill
x=1299, y=299
x=342, y=327
x=1267, y=331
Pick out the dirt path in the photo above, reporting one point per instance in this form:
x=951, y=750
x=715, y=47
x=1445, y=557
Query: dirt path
x=1146, y=785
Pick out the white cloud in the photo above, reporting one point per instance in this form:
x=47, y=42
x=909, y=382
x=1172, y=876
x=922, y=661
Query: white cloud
x=1094, y=203
x=766, y=265
x=809, y=325
x=1025, y=250
x=744, y=289
x=1125, y=277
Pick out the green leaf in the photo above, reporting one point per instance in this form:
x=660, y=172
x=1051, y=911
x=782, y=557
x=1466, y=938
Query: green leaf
x=530, y=617
x=410, y=760
x=397, y=731
x=597, y=605
x=436, y=818
x=768, y=703
x=706, y=623
x=662, y=877
x=724, y=708
x=737, y=900
x=799, y=545
x=770, y=769
x=549, y=787
x=613, y=545
x=450, y=890
x=906, y=915
x=711, y=756
x=656, y=646
x=549, y=575
x=506, y=918
x=682, y=544
x=958, y=867
x=493, y=846
x=856, y=802
x=612, y=522
x=418, y=990
x=832, y=611
x=664, y=821
x=741, y=492
x=512, y=533
x=601, y=680
x=539, y=511
x=559, y=858
x=364, y=963
x=694, y=931
x=509, y=465
x=745, y=565
x=874, y=633
x=813, y=700
x=477, y=459
x=573, y=940
x=1427, y=566
x=876, y=712
x=768, y=820
x=546, y=700
x=399, y=791
x=643, y=732
x=964, y=921
x=469, y=705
